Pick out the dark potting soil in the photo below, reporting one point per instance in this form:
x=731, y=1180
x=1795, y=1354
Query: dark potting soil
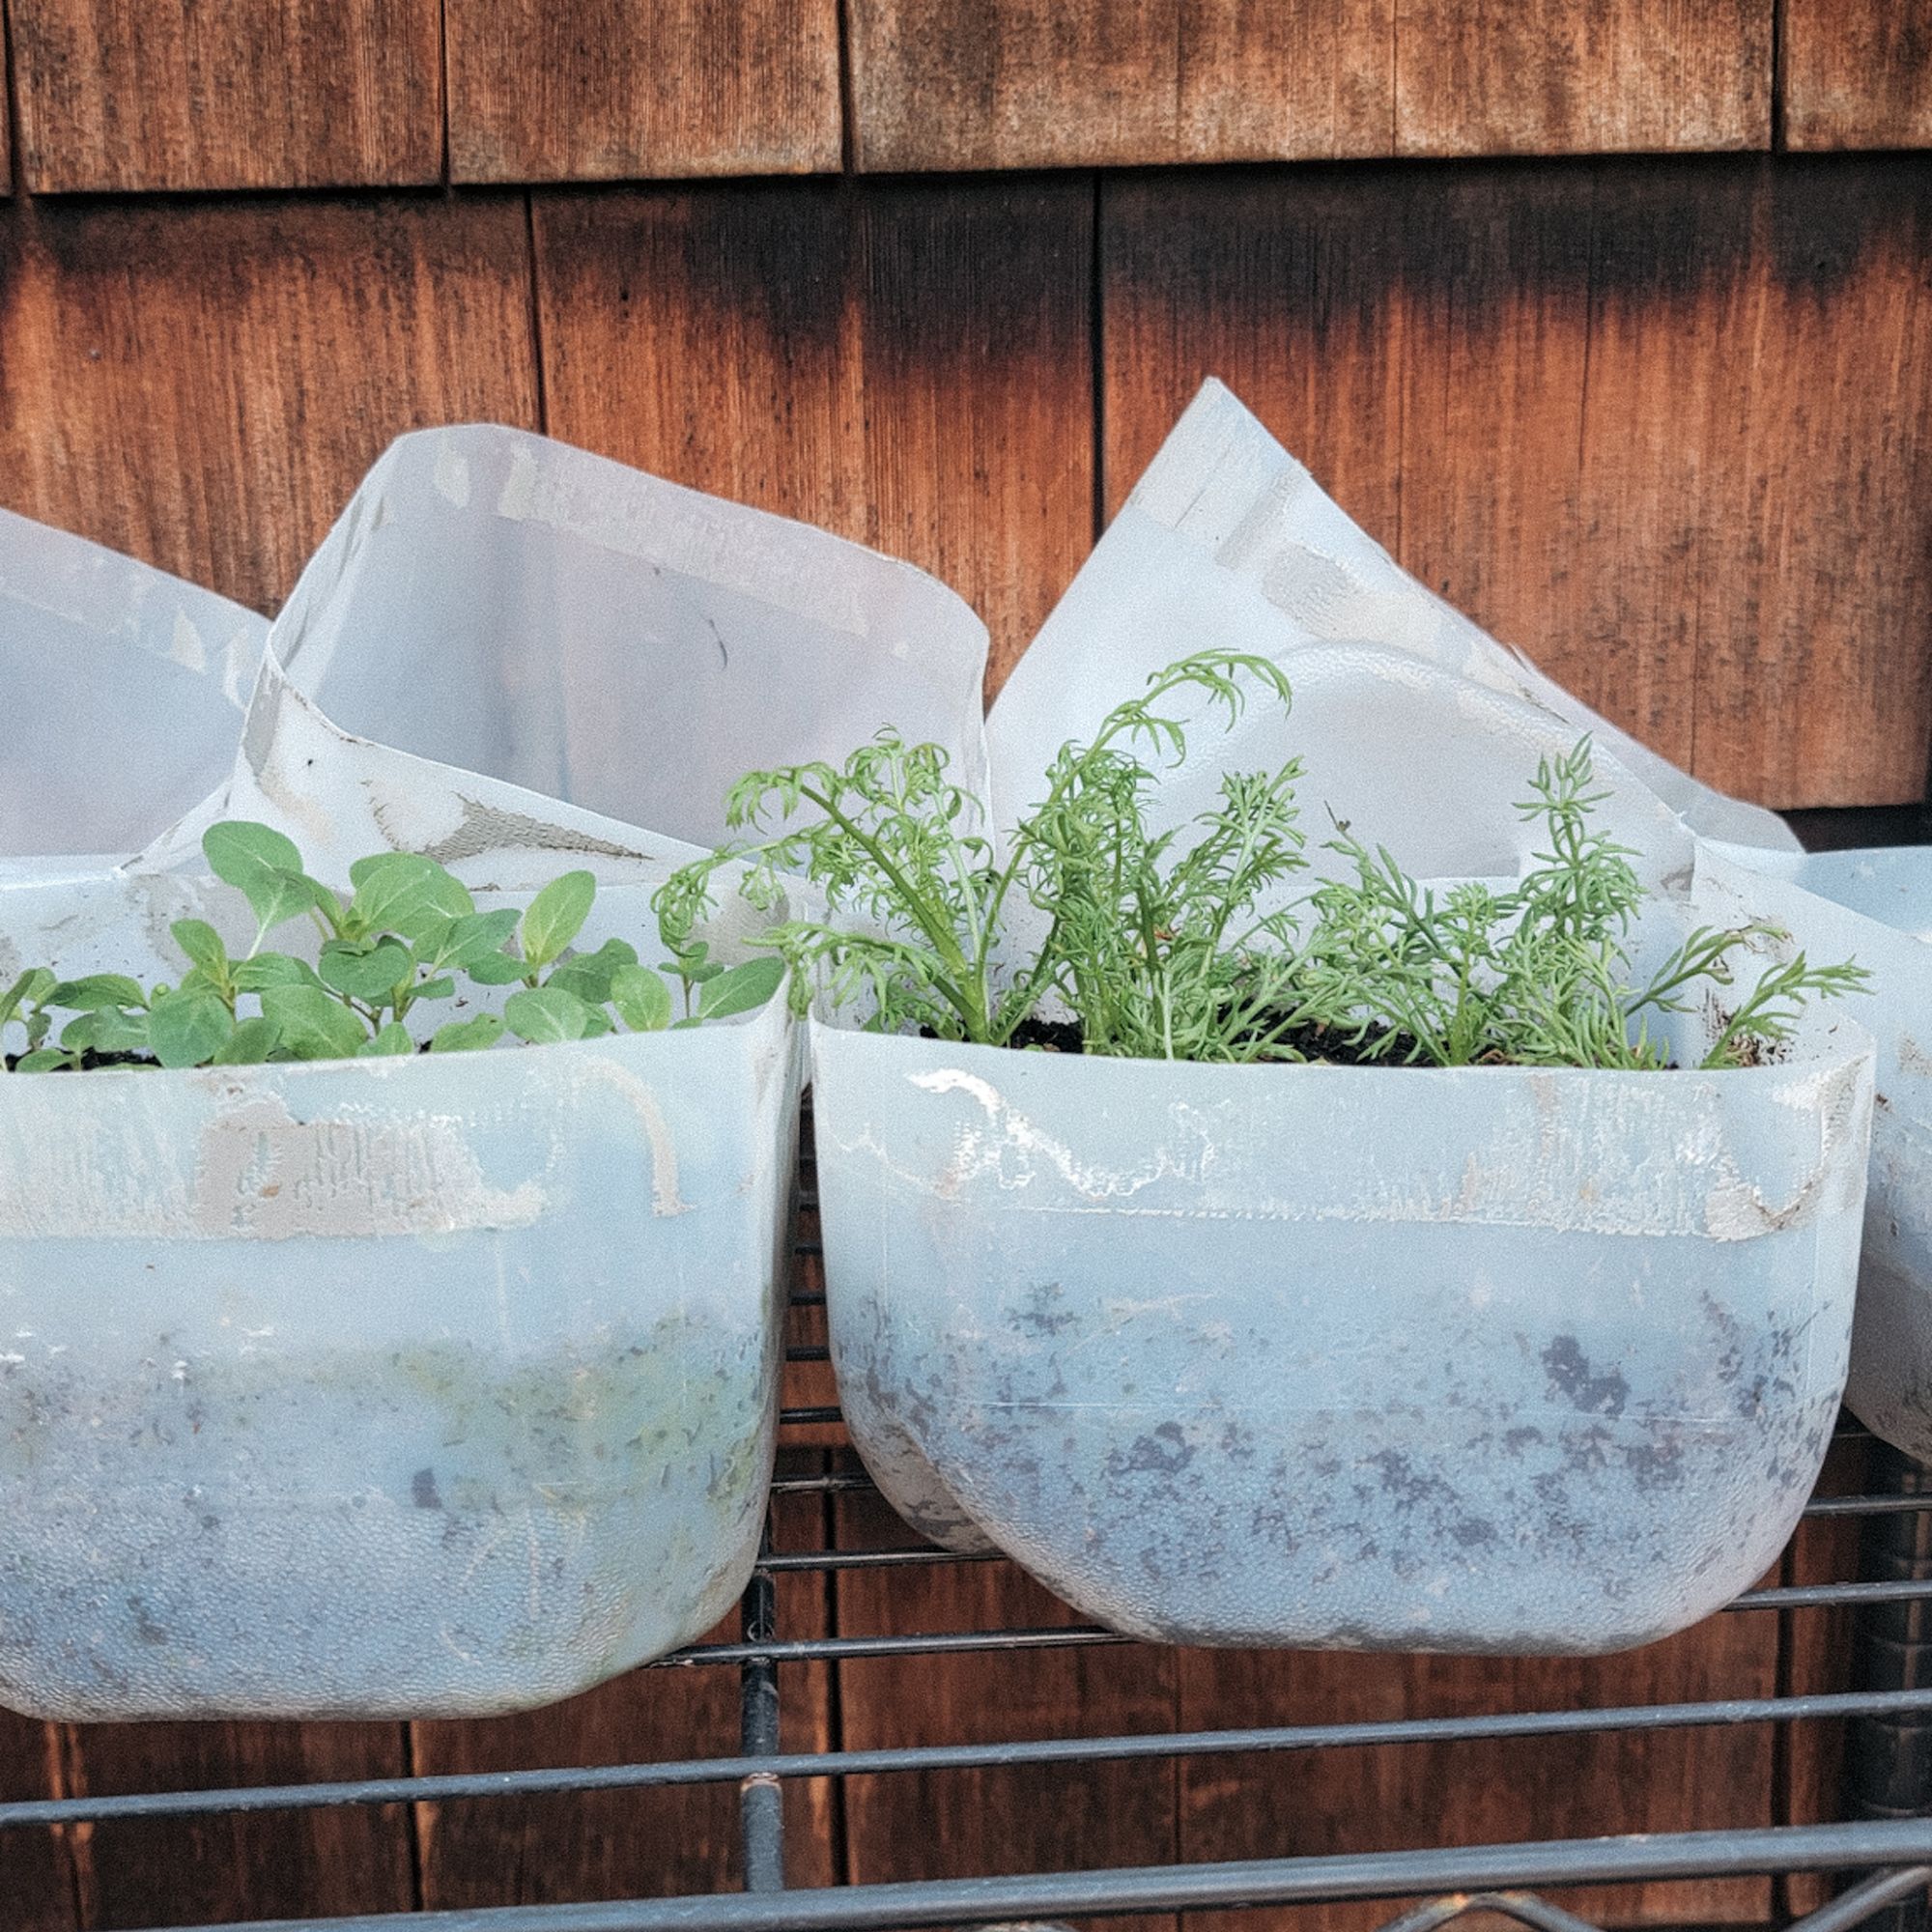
x=90, y=1061
x=1312, y=1043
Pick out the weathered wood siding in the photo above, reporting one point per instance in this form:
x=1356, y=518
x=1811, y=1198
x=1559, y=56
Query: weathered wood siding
x=1649, y=397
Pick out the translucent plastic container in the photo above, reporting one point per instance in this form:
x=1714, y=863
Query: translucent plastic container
x=1876, y=906
x=1477, y=1360
x=130, y=684
x=394, y=1387
x=506, y=647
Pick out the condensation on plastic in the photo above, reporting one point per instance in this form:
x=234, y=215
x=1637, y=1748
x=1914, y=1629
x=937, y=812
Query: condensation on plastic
x=509, y=647
x=126, y=688
x=1488, y=1359
x=405, y=1387
x=1496, y=1360
x=1875, y=907
x=1227, y=541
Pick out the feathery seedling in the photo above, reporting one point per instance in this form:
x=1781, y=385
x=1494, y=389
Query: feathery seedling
x=1179, y=945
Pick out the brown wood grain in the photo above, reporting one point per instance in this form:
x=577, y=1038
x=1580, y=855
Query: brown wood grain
x=227, y=93
x=1470, y=1793
x=204, y=383
x=643, y=1843
x=607, y=90
x=1556, y=78
x=1858, y=73
x=1662, y=425
x=1031, y=83
x=36, y=1868
x=1023, y=1818
x=907, y=364
x=229, y=1866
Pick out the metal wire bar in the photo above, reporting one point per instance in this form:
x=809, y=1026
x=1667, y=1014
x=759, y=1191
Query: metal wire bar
x=1858, y=1904
x=1823, y=1706
x=760, y=1795
x=1251, y=1882
x=1522, y=1906
x=834, y=1482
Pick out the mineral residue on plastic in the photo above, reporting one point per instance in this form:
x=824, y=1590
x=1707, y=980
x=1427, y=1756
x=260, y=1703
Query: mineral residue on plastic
x=411, y=1387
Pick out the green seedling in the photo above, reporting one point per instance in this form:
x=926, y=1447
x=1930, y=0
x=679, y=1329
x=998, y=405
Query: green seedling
x=1183, y=944
x=406, y=935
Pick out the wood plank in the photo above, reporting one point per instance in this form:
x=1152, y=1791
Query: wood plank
x=38, y=1865
x=1028, y=83
x=1023, y=1818
x=643, y=1843
x=907, y=364
x=253, y=1865
x=608, y=90
x=1447, y=1794
x=1858, y=73
x=1553, y=78
x=227, y=93
x=1662, y=425
x=204, y=385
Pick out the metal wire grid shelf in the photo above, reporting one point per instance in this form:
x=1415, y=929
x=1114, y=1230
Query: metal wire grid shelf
x=1883, y=1856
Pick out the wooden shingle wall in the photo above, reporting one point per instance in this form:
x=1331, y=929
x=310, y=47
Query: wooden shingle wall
x=1665, y=423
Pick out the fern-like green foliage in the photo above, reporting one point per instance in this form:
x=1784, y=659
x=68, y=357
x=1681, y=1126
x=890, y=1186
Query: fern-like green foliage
x=1183, y=945
x=1539, y=975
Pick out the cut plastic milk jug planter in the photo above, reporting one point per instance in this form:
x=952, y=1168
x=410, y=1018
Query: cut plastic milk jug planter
x=1494, y=1359
x=436, y=1386
x=431, y=1386
x=1878, y=906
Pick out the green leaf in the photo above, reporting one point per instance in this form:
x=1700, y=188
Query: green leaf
x=544, y=1014
x=742, y=989
x=442, y=987
x=107, y=1030
x=43, y=1060
x=27, y=991
x=98, y=989
x=313, y=1024
x=264, y=867
x=405, y=893
x=555, y=917
x=248, y=1045
x=393, y=1043
x=641, y=998
x=186, y=1029
x=495, y=969
x=468, y=1036
x=370, y=975
x=472, y=936
x=588, y=974
x=202, y=944
x=273, y=969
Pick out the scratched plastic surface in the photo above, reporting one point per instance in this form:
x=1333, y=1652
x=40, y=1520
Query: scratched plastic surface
x=128, y=687
x=1490, y=1360
x=1876, y=906
x=382, y=1388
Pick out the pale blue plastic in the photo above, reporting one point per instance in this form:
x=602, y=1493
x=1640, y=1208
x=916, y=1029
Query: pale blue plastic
x=1493, y=1360
x=429, y=1386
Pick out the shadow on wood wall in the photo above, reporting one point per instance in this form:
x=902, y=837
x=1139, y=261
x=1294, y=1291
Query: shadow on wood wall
x=1663, y=423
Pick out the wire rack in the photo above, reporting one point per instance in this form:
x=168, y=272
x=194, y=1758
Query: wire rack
x=1883, y=1856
